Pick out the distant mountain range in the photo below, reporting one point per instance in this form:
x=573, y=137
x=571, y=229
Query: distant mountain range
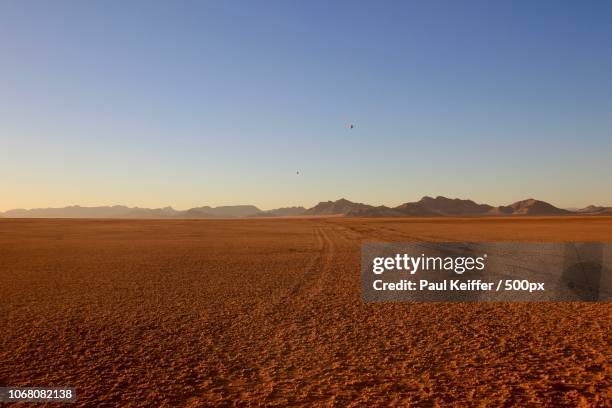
x=442, y=206
x=425, y=207
x=120, y=211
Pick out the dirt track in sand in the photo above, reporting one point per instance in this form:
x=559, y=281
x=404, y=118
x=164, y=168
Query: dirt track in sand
x=267, y=311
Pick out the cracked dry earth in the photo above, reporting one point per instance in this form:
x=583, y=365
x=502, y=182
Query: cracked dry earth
x=268, y=312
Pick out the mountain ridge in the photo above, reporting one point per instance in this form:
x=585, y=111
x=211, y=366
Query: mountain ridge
x=439, y=206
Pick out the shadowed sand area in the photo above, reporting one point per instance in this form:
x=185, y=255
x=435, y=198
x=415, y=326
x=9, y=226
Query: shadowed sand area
x=268, y=311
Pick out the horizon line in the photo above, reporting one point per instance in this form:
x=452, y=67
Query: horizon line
x=261, y=208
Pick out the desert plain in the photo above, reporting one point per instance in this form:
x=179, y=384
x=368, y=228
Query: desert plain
x=268, y=312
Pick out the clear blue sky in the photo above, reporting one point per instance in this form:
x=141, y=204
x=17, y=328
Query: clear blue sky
x=221, y=102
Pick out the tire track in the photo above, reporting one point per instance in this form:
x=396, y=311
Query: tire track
x=310, y=271
x=292, y=318
x=267, y=368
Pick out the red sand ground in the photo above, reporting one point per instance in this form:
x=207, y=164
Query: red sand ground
x=268, y=311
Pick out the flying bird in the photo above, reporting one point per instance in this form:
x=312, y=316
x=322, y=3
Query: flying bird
x=350, y=126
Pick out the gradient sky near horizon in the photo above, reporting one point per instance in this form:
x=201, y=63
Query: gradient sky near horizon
x=189, y=103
